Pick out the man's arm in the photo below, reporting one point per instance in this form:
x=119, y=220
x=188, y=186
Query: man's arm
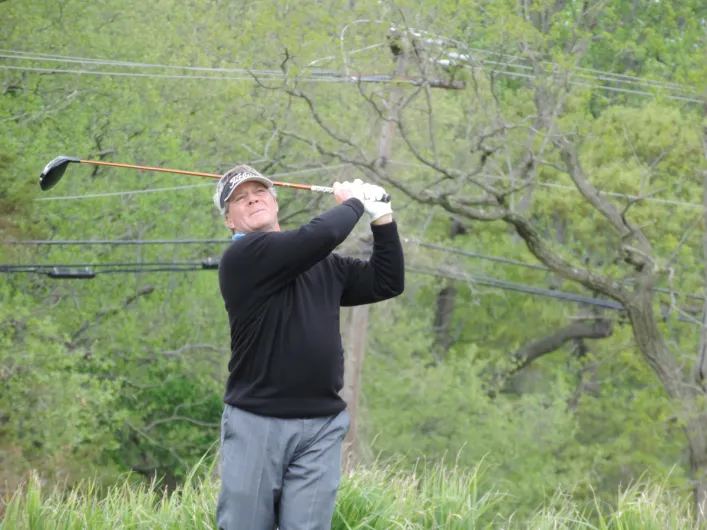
x=381, y=277
x=270, y=260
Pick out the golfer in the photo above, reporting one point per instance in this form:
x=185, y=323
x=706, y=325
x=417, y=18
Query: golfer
x=284, y=422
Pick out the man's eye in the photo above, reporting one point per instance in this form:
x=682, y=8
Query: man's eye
x=239, y=198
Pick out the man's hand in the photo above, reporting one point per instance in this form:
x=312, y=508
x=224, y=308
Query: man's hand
x=370, y=195
x=380, y=212
x=347, y=190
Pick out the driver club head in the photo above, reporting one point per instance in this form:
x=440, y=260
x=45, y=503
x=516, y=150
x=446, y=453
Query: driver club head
x=54, y=170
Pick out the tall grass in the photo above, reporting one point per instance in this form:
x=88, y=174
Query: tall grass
x=375, y=498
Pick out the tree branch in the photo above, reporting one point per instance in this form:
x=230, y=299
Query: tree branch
x=596, y=329
x=104, y=313
x=180, y=418
x=639, y=257
x=325, y=127
x=186, y=347
x=537, y=246
x=154, y=442
x=450, y=173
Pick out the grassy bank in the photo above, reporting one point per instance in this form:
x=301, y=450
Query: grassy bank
x=371, y=499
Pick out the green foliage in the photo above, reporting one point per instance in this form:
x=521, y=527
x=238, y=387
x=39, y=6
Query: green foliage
x=55, y=417
x=530, y=443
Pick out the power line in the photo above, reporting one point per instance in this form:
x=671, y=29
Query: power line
x=120, y=193
x=566, y=187
x=91, y=242
x=326, y=77
x=604, y=87
x=630, y=78
x=332, y=79
x=520, y=287
x=155, y=76
x=33, y=267
x=596, y=74
x=79, y=270
x=48, y=57
x=530, y=289
x=29, y=56
x=435, y=246
x=453, y=250
x=499, y=259
x=603, y=76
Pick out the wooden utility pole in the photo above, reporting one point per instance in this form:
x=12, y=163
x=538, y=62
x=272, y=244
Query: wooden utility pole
x=355, y=323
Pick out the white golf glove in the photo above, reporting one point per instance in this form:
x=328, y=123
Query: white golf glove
x=369, y=195
x=373, y=205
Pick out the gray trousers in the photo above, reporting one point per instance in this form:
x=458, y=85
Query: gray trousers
x=276, y=472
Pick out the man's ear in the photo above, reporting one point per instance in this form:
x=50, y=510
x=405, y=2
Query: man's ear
x=229, y=222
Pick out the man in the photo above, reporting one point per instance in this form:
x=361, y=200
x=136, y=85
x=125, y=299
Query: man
x=284, y=422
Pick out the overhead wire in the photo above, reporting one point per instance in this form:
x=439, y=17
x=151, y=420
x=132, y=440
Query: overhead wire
x=224, y=241
x=596, y=75
x=323, y=79
x=157, y=76
x=545, y=184
x=12, y=54
x=40, y=266
x=438, y=39
x=120, y=193
x=78, y=271
x=50, y=57
x=91, y=242
x=599, y=74
x=189, y=266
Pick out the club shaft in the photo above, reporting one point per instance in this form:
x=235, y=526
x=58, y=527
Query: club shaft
x=321, y=189
x=148, y=168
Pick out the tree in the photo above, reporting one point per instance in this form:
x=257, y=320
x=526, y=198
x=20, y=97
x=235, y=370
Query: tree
x=511, y=137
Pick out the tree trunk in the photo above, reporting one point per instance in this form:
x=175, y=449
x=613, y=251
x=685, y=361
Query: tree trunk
x=653, y=347
x=446, y=299
x=358, y=315
x=356, y=323
x=696, y=430
x=688, y=397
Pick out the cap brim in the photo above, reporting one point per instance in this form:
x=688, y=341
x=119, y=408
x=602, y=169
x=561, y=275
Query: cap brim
x=255, y=178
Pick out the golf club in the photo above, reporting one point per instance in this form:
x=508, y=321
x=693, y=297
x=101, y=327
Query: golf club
x=55, y=169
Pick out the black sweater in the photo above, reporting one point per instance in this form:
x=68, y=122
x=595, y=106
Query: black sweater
x=282, y=292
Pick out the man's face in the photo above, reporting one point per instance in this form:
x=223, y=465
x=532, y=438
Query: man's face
x=251, y=208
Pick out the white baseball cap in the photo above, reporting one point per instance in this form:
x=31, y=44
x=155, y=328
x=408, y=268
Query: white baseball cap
x=234, y=178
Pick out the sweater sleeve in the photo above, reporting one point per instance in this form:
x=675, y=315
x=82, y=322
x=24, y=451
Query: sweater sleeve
x=268, y=261
x=382, y=276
